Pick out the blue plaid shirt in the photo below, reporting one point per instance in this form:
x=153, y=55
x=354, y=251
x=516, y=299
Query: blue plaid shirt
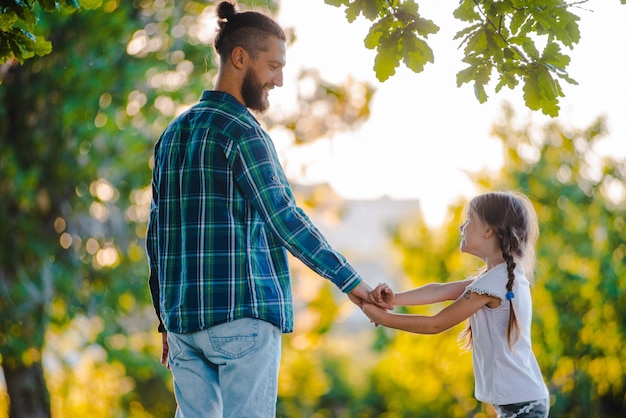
x=221, y=221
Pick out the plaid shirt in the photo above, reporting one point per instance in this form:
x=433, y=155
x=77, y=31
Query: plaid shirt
x=221, y=221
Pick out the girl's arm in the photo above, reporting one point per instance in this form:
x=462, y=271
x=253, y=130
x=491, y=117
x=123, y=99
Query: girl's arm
x=423, y=295
x=448, y=317
x=432, y=293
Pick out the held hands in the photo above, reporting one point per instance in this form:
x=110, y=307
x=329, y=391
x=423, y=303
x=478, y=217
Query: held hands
x=363, y=293
x=383, y=297
x=374, y=303
x=383, y=294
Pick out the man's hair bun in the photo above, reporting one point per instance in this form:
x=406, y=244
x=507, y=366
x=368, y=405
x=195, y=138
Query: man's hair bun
x=226, y=10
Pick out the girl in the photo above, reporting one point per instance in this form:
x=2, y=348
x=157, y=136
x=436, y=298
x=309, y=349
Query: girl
x=501, y=229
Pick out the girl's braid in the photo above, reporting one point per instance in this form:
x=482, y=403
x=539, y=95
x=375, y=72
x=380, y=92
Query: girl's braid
x=509, y=244
x=506, y=246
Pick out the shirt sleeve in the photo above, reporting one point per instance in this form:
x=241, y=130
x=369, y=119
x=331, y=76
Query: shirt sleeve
x=492, y=283
x=258, y=172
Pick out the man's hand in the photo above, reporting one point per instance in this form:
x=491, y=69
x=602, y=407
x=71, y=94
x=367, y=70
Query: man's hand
x=165, y=350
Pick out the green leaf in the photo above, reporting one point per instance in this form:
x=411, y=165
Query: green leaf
x=532, y=94
x=477, y=42
x=552, y=55
x=425, y=27
x=479, y=92
x=467, y=31
x=352, y=12
x=387, y=59
x=556, y=62
x=495, y=45
x=410, y=8
x=42, y=46
x=541, y=91
x=7, y=20
x=367, y=8
x=529, y=47
x=517, y=20
x=337, y=3
x=550, y=87
x=29, y=44
x=527, y=27
x=483, y=74
x=5, y=49
x=17, y=50
x=416, y=52
x=466, y=11
x=377, y=30
x=509, y=72
x=25, y=13
x=48, y=5
x=573, y=30
x=465, y=76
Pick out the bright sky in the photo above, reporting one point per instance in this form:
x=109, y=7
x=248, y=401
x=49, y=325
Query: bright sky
x=424, y=133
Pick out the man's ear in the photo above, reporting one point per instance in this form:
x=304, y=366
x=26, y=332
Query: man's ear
x=239, y=57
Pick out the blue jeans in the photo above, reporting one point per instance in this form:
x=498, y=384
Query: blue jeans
x=229, y=370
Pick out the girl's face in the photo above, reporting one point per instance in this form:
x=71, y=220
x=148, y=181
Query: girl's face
x=473, y=235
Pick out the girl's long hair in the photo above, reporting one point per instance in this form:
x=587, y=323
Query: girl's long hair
x=514, y=221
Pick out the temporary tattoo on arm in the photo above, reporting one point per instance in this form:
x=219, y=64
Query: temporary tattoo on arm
x=467, y=294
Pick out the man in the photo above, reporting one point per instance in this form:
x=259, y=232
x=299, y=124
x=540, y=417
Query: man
x=222, y=220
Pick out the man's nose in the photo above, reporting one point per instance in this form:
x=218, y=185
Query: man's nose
x=278, y=80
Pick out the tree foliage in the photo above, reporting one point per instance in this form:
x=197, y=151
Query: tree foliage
x=20, y=38
x=506, y=43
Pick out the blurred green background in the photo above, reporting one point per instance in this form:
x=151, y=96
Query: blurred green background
x=77, y=328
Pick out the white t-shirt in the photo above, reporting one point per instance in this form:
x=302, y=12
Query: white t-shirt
x=503, y=376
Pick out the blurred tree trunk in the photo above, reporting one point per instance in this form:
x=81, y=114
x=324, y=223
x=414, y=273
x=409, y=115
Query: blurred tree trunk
x=27, y=390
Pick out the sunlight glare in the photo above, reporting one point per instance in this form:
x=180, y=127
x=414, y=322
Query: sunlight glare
x=107, y=257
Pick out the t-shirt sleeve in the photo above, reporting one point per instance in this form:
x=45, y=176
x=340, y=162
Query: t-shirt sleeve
x=492, y=283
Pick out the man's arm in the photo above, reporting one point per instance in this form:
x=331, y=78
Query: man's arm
x=258, y=172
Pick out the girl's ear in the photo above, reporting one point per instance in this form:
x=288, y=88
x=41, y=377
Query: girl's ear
x=488, y=232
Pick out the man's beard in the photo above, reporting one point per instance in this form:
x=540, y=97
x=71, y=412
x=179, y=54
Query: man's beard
x=253, y=92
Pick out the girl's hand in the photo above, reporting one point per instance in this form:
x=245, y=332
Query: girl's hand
x=383, y=294
x=374, y=313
